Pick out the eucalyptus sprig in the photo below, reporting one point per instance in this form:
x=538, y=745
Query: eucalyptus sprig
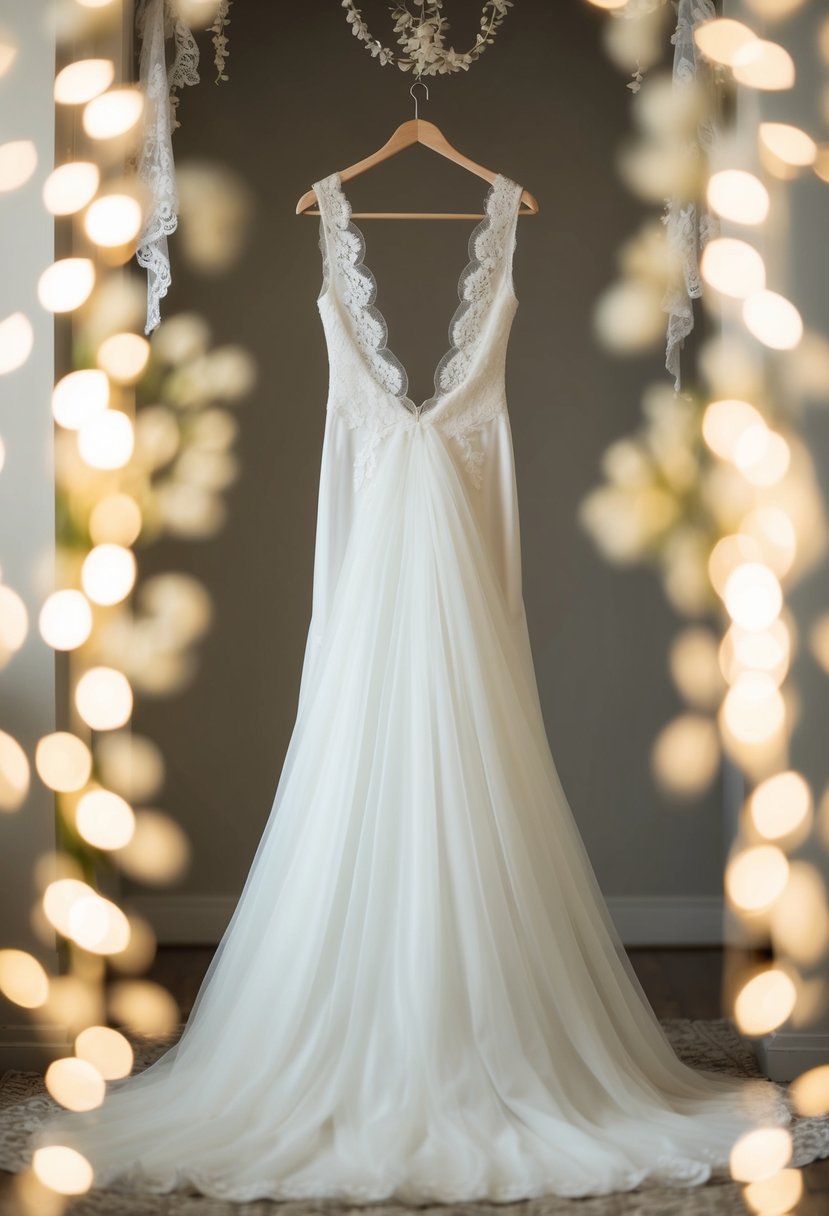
x=421, y=36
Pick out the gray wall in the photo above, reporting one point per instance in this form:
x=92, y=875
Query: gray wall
x=543, y=106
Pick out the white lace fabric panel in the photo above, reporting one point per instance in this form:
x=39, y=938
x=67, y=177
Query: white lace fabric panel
x=156, y=22
x=688, y=226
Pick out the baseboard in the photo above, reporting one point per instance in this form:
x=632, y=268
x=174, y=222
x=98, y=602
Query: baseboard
x=30, y=1046
x=668, y=920
x=647, y=920
x=786, y=1054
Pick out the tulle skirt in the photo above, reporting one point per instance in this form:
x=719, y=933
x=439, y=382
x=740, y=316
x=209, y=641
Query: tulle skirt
x=420, y=994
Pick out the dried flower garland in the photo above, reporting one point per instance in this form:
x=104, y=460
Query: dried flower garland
x=217, y=29
x=422, y=37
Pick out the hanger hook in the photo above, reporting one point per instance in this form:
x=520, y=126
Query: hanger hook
x=412, y=92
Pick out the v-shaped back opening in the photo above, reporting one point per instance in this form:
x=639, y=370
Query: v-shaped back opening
x=488, y=249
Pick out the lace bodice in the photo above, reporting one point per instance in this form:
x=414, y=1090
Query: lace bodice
x=368, y=386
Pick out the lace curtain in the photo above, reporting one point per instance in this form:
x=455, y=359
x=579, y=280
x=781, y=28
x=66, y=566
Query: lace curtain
x=689, y=226
x=156, y=23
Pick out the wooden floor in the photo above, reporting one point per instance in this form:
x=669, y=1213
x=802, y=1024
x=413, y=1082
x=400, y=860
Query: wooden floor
x=684, y=983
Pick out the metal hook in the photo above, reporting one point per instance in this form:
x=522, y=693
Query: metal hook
x=412, y=92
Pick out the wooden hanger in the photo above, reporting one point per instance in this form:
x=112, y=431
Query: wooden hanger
x=416, y=131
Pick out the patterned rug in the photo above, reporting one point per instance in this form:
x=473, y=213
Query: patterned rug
x=713, y=1045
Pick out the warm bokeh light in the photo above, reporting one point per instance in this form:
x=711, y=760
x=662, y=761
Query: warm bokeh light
x=75, y=1084
x=14, y=622
x=775, y=533
x=767, y=650
x=686, y=755
x=70, y=187
x=60, y=897
x=144, y=1007
x=8, y=54
x=800, y=916
x=106, y=440
x=775, y=1196
x=16, y=341
x=104, y=819
x=760, y=1153
x=725, y=422
x=733, y=267
x=790, y=144
x=781, y=805
x=131, y=764
x=113, y=113
x=18, y=161
x=762, y=456
x=113, y=220
x=62, y=1169
x=753, y=596
x=159, y=851
x=765, y=1002
x=98, y=925
x=755, y=877
x=738, y=196
x=23, y=980
x=108, y=573
x=721, y=39
x=63, y=761
x=124, y=357
x=763, y=65
x=103, y=698
x=773, y=320
x=729, y=553
x=14, y=773
x=695, y=668
x=810, y=1092
x=65, y=620
x=78, y=396
x=629, y=316
x=106, y=1050
x=753, y=710
x=66, y=284
x=79, y=82
x=116, y=519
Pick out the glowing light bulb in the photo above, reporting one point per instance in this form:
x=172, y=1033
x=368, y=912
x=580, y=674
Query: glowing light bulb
x=65, y=620
x=78, y=396
x=18, y=161
x=724, y=422
x=113, y=220
x=16, y=341
x=753, y=596
x=789, y=144
x=81, y=81
x=14, y=773
x=70, y=187
x=66, y=284
x=103, y=698
x=721, y=38
x=108, y=573
x=732, y=267
x=124, y=357
x=773, y=320
x=756, y=877
x=75, y=1084
x=763, y=65
x=780, y=805
x=22, y=979
x=63, y=761
x=113, y=113
x=62, y=1169
x=738, y=196
x=104, y=819
x=765, y=1002
x=106, y=440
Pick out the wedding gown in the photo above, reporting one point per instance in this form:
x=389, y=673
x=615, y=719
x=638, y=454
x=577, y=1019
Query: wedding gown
x=420, y=994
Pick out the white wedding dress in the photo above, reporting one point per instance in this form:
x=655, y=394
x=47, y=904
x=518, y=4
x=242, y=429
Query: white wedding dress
x=420, y=994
